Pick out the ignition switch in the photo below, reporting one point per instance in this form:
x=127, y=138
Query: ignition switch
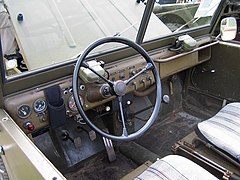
x=105, y=91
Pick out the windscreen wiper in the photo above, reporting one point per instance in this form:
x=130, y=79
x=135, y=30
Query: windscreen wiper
x=125, y=30
x=193, y=20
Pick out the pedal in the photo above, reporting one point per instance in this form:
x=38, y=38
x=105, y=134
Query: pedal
x=65, y=136
x=92, y=135
x=77, y=142
x=110, y=150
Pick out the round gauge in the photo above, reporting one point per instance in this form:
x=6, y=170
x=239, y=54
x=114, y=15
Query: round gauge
x=71, y=104
x=24, y=111
x=39, y=105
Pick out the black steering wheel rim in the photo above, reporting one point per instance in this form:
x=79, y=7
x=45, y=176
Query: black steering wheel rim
x=141, y=51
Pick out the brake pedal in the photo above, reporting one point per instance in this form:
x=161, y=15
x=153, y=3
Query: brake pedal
x=77, y=142
x=92, y=135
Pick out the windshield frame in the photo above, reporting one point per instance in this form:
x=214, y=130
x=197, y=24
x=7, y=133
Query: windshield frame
x=28, y=79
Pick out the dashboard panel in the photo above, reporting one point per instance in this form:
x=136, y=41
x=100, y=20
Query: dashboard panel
x=29, y=109
x=90, y=92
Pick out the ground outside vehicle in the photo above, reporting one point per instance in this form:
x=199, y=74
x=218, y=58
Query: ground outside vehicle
x=102, y=89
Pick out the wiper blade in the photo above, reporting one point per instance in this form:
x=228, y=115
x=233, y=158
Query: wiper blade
x=124, y=30
x=193, y=20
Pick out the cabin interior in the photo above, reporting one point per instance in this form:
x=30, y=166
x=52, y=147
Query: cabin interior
x=186, y=87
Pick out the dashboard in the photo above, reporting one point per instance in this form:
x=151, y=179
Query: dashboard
x=30, y=109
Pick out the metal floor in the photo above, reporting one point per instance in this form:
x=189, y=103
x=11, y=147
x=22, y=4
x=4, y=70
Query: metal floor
x=164, y=133
x=99, y=167
x=159, y=139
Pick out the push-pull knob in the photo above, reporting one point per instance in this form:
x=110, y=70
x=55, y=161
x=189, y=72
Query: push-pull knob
x=29, y=126
x=142, y=81
x=134, y=84
x=149, y=78
x=132, y=72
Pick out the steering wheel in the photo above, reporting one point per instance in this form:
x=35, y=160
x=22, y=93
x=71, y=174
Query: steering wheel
x=119, y=88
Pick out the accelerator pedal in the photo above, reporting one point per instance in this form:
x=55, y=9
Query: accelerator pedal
x=109, y=147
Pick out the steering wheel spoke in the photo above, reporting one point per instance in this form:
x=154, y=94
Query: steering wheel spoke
x=124, y=129
x=85, y=65
x=146, y=68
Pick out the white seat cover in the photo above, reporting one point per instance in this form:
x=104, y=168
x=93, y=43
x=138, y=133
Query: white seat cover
x=175, y=167
x=223, y=129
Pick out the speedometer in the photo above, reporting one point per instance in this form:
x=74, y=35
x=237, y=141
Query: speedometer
x=39, y=105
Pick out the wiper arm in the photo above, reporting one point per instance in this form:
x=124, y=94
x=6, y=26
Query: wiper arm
x=126, y=29
x=193, y=20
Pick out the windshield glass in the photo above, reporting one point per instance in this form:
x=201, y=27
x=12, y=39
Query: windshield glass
x=40, y=33
x=179, y=15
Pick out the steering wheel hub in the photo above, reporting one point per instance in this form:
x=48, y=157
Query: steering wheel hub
x=120, y=88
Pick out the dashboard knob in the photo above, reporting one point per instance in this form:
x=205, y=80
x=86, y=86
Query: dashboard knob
x=149, y=78
x=122, y=76
x=132, y=72
x=134, y=84
x=29, y=126
x=166, y=99
x=142, y=81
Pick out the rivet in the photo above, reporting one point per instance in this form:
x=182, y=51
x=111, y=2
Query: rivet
x=5, y=119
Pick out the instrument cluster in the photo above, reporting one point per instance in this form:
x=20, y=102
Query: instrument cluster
x=24, y=110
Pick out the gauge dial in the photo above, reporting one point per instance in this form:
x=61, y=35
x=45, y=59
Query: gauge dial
x=24, y=111
x=39, y=105
x=71, y=104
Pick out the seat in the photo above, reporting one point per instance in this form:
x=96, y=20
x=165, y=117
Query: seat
x=223, y=130
x=175, y=167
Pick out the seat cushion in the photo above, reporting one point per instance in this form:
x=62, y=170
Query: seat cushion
x=175, y=167
x=223, y=129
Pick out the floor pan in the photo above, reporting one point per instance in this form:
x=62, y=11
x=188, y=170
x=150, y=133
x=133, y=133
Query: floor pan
x=164, y=133
x=159, y=140
x=99, y=167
